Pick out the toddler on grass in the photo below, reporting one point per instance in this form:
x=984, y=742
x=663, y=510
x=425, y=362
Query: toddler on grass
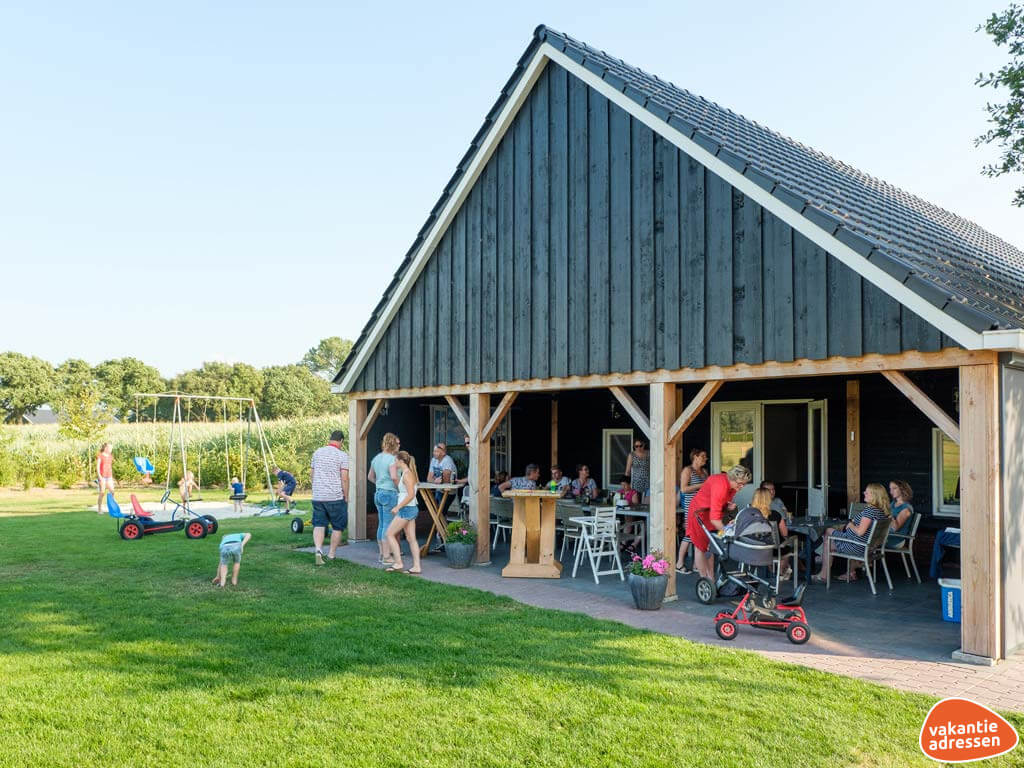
x=231, y=547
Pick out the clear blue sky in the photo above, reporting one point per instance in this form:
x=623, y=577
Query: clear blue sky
x=183, y=183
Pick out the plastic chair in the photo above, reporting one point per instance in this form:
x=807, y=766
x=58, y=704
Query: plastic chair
x=905, y=549
x=600, y=539
x=869, y=554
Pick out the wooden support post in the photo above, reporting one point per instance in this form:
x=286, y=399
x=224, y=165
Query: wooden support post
x=925, y=404
x=852, y=441
x=981, y=524
x=459, y=411
x=480, y=474
x=664, y=470
x=554, y=432
x=358, y=458
x=634, y=410
x=679, y=442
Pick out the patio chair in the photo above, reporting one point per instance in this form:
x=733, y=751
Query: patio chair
x=599, y=539
x=869, y=554
x=569, y=530
x=855, y=506
x=633, y=531
x=501, y=519
x=905, y=548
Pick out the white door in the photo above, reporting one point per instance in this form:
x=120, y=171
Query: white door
x=817, y=458
x=736, y=438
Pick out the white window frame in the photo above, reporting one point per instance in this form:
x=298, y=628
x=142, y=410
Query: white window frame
x=939, y=508
x=450, y=417
x=716, y=433
x=606, y=454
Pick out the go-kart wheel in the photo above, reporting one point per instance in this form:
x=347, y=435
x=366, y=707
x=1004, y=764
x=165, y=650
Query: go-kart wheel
x=211, y=524
x=798, y=633
x=706, y=591
x=297, y=525
x=131, y=530
x=196, y=529
x=726, y=629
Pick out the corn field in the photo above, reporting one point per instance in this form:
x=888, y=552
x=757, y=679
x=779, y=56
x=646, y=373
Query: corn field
x=34, y=456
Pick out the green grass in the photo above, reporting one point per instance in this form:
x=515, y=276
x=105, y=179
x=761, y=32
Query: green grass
x=121, y=653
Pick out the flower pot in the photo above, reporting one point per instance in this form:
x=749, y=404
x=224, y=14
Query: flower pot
x=460, y=554
x=648, y=592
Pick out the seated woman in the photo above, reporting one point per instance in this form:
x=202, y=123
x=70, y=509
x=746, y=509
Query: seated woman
x=584, y=486
x=499, y=480
x=902, y=512
x=855, y=532
x=626, y=496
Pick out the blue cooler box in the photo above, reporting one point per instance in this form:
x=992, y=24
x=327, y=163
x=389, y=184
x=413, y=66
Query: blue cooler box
x=950, y=599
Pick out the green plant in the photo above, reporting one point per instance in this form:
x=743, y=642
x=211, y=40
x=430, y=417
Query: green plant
x=461, y=532
x=653, y=564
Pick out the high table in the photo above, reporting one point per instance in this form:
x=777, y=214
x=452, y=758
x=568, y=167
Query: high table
x=439, y=524
x=532, y=548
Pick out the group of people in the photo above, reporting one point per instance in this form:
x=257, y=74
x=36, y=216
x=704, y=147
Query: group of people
x=394, y=475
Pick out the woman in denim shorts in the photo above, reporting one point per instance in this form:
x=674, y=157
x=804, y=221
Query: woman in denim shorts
x=384, y=475
x=405, y=511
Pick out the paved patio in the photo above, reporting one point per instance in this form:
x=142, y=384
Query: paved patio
x=894, y=638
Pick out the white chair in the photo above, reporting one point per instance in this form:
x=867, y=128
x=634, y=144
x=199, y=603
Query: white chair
x=599, y=539
x=867, y=554
x=501, y=518
x=905, y=549
x=569, y=530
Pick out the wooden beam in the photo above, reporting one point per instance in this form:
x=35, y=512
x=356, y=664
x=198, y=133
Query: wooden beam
x=480, y=475
x=679, y=443
x=554, y=432
x=664, y=470
x=460, y=412
x=358, y=467
x=852, y=441
x=693, y=410
x=833, y=366
x=498, y=415
x=371, y=417
x=981, y=524
x=925, y=404
x=633, y=410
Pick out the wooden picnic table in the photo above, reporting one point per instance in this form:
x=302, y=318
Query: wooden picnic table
x=438, y=525
x=532, y=548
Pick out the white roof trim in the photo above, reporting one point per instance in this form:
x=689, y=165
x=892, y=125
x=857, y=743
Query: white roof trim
x=1011, y=340
x=947, y=324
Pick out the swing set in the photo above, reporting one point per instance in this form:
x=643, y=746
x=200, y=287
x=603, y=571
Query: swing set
x=250, y=429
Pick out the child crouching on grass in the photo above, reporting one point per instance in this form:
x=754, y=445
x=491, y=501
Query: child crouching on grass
x=231, y=547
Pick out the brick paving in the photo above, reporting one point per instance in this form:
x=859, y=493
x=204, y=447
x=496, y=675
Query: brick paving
x=889, y=652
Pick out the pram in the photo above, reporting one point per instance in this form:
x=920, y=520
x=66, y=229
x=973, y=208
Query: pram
x=760, y=605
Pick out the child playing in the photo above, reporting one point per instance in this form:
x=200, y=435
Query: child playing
x=186, y=485
x=231, y=547
x=237, y=494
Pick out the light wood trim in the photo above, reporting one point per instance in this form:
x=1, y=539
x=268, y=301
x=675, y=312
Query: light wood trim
x=633, y=410
x=664, y=471
x=554, y=432
x=371, y=417
x=905, y=361
x=480, y=475
x=925, y=404
x=358, y=458
x=693, y=410
x=498, y=415
x=981, y=525
x=852, y=441
x=460, y=413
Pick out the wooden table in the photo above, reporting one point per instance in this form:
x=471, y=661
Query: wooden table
x=533, y=536
x=439, y=524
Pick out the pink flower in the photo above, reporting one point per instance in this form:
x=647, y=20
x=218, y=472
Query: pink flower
x=659, y=567
x=648, y=561
x=636, y=558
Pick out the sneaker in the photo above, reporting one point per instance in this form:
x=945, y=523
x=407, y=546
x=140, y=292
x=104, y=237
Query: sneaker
x=319, y=557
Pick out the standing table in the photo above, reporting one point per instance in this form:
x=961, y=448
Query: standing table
x=533, y=536
x=438, y=525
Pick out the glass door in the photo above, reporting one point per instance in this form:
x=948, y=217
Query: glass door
x=616, y=446
x=736, y=438
x=817, y=458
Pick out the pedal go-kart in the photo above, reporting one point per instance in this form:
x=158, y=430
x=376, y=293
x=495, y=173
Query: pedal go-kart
x=139, y=522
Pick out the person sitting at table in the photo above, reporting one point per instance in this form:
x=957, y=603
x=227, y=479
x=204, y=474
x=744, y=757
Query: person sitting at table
x=708, y=507
x=902, y=512
x=442, y=469
x=851, y=538
x=690, y=480
x=560, y=480
x=583, y=486
x=499, y=478
x=626, y=495
x=760, y=510
x=528, y=482
x=777, y=506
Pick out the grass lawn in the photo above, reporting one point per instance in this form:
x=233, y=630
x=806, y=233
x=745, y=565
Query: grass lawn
x=121, y=653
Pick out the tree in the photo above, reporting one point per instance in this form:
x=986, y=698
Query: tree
x=291, y=391
x=121, y=379
x=25, y=384
x=1007, y=119
x=80, y=410
x=326, y=358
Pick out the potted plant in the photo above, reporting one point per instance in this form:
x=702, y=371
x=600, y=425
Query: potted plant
x=648, y=580
x=461, y=544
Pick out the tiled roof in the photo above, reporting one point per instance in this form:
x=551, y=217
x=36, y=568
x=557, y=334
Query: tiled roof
x=953, y=263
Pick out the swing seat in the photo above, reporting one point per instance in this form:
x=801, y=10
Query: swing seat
x=143, y=465
x=238, y=497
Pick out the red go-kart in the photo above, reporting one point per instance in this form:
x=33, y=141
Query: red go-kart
x=139, y=522
x=762, y=610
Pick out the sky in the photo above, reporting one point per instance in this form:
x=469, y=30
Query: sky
x=200, y=181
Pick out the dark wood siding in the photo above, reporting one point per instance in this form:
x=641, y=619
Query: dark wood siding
x=591, y=245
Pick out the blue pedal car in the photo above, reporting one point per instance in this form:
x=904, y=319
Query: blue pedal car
x=138, y=523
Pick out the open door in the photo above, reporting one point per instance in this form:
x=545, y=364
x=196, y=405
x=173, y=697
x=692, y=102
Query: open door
x=817, y=458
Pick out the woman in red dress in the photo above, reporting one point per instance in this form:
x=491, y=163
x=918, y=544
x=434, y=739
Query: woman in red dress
x=713, y=498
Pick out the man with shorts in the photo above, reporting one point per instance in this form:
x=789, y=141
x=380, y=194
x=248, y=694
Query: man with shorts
x=329, y=471
x=285, y=487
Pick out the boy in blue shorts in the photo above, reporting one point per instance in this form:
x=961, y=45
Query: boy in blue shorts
x=231, y=547
x=285, y=487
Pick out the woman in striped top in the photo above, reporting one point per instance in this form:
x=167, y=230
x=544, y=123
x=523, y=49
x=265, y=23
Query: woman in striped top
x=690, y=480
x=854, y=535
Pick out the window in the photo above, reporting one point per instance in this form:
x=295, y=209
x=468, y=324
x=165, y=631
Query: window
x=445, y=428
x=736, y=437
x=616, y=445
x=945, y=475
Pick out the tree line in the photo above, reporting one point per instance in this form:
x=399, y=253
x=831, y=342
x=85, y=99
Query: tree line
x=86, y=397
